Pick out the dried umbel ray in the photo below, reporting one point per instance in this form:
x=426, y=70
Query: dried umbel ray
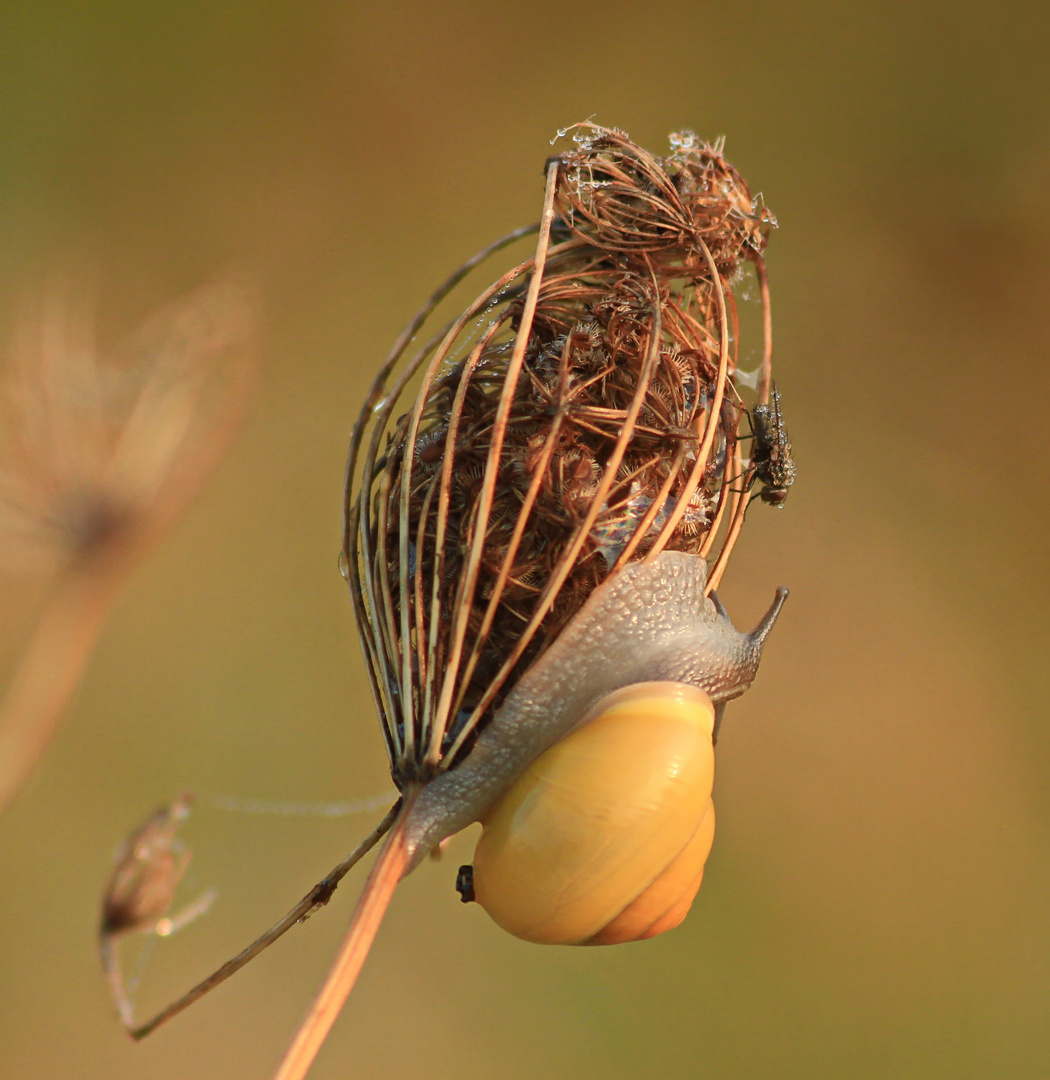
x=539, y=500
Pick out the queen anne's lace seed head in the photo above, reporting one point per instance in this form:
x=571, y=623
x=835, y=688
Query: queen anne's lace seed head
x=617, y=424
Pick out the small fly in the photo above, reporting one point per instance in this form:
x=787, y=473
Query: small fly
x=771, y=457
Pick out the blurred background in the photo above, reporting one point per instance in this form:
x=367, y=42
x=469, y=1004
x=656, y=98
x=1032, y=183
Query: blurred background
x=878, y=900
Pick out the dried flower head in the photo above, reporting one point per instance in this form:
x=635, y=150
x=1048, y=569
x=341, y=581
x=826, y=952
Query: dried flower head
x=579, y=414
x=146, y=872
x=141, y=890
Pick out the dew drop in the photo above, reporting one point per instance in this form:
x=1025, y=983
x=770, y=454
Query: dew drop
x=747, y=378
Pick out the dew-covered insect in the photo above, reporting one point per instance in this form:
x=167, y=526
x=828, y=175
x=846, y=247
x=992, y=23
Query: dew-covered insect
x=771, y=458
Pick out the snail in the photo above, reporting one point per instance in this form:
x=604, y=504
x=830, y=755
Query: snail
x=615, y=722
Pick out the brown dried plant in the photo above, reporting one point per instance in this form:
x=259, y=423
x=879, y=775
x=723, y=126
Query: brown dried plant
x=97, y=461
x=594, y=420
x=582, y=412
x=579, y=414
x=141, y=890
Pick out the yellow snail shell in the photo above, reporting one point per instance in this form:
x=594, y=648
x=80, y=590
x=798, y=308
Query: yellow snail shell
x=603, y=839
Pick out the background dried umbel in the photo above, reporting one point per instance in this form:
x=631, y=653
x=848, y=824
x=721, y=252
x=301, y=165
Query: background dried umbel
x=98, y=459
x=580, y=413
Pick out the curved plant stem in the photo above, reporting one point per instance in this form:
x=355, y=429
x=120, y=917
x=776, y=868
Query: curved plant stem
x=52, y=666
x=371, y=908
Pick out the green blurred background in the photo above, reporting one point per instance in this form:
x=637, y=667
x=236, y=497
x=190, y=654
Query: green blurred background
x=878, y=900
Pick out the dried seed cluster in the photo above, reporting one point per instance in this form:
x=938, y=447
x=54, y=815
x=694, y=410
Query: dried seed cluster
x=598, y=427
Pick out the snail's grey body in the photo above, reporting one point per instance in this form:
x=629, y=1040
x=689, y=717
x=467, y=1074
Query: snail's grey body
x=651, y=622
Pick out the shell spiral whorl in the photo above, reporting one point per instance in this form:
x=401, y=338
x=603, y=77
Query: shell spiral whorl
x=565, y=856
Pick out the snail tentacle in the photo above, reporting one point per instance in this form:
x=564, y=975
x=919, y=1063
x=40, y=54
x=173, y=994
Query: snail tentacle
x=765, y=624
x=717, y=601
x=720, y=711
